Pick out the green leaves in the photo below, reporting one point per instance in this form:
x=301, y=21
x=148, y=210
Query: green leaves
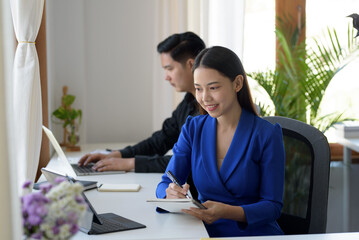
x=68, y=116
x=68, y=100
x=303, y=73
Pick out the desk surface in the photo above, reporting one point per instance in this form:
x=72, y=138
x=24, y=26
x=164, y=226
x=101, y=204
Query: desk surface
x=352, y=143
x=133, y=205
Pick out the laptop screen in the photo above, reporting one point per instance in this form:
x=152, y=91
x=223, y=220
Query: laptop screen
x=60, y=153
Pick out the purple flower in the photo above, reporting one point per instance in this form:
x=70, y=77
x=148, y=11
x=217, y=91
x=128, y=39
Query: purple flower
x=79, y=199
x=74, y=228
x=32, y=198
x=37, y=235
x=34, y=204
x=35, y=207
x=45, y=187
x=41, y=210
x=59, y=180
x=60, y=222
x=72, y=217
x=55, y=230
x=34, y=220
x=26, y=184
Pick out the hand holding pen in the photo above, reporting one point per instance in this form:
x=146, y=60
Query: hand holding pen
x=176, y=190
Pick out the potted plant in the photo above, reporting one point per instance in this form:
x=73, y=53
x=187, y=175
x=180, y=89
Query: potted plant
x=71, y=120
x=296, y=88
x=297, y=85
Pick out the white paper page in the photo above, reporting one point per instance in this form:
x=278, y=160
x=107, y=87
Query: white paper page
x=173, y=205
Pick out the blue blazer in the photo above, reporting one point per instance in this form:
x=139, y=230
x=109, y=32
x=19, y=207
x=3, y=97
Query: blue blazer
x=251, y=175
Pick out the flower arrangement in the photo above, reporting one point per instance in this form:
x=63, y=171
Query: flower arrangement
x=54, y=211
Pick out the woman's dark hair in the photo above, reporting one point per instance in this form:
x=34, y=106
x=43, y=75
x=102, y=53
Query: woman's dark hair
x=182, y=46
x=227, y=63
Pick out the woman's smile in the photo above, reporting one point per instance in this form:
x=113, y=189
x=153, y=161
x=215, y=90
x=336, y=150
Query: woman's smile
x=211, y=108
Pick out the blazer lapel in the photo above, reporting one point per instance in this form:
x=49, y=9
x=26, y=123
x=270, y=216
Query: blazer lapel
x=209, y=149
x=238, y=145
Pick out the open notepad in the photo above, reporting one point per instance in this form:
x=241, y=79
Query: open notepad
x=175, y=205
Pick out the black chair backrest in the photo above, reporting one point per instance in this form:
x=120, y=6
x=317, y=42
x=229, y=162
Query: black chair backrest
x=306, y=186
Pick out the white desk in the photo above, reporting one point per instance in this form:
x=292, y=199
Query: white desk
x=133, y=205
x=159, y=226
x=348, y=144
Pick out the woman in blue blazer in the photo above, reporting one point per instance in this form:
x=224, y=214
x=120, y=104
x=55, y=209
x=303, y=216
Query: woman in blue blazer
x=236, y=157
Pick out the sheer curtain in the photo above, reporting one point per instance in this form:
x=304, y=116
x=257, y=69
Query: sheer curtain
x=10, y=216
x=171, y=18
x=217, y=22
x=226, y=24
x=27, y=113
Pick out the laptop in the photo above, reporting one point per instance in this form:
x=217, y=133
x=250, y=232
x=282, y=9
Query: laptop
x=51, y=176
x=72, y=169
x=93, y=223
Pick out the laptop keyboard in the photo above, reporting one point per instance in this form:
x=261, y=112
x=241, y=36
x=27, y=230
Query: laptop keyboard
x=108, y=226
x=113, y=223
x=83, y=169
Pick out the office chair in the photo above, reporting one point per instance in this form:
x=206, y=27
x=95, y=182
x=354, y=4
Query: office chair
x=306, y=185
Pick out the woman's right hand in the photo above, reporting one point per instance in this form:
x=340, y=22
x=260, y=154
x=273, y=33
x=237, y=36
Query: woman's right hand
x=94, y=157
x=174, y=191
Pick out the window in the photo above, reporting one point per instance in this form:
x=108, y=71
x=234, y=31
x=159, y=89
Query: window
x=259, y=48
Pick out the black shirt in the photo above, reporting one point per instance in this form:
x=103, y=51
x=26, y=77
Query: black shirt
x=149, y=153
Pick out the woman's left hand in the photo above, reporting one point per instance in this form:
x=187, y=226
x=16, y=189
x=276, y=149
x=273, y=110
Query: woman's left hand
x=213, y=212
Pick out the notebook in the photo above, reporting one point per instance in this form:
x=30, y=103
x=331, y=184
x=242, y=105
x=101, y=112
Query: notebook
x=175, y=205
x=119, y=187
x=94, y=223
x=72, y=169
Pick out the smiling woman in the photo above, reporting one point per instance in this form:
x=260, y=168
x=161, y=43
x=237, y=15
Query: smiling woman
x=231, y=68
x=235, y=157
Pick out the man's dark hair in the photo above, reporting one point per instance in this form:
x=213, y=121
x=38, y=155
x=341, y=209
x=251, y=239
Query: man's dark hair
x=182, y=46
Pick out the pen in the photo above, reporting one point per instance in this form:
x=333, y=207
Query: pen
x=175, y=181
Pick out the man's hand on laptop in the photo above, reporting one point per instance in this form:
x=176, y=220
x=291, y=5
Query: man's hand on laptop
x=115, y=164
x=95, y=157
x=108, y=162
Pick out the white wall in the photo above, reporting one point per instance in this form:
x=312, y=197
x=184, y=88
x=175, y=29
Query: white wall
x=104, y=52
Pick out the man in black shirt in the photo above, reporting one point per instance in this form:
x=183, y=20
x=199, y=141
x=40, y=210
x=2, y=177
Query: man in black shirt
x=177, y=52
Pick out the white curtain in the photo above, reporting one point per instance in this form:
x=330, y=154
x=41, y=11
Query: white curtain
x=217, y=22
x=171, y=18
x=174, y=16
x=27, y=111
x=226, y=24
x=10, y=212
